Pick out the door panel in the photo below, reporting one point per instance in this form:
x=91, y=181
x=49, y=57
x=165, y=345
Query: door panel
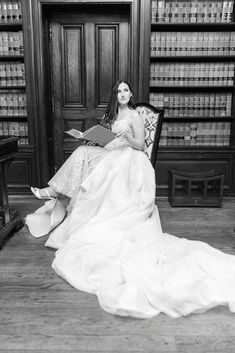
x=73, y=68
x=107, y=61
x=89, y=51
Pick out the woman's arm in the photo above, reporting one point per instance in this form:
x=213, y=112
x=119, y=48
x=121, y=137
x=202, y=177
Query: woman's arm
x=137, y=140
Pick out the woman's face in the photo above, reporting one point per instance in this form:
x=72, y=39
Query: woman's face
x=124, y=94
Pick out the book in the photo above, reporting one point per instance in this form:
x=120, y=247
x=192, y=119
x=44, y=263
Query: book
x=96, y=134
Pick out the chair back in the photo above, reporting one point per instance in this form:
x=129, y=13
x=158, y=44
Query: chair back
x=152, y=118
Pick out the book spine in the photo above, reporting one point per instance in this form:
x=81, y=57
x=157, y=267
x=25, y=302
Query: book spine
x=195, y=133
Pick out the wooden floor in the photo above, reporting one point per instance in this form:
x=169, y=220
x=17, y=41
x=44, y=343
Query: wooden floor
x=40, y=312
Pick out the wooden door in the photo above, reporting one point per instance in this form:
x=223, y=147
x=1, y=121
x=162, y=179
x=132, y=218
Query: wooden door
x=88, y=52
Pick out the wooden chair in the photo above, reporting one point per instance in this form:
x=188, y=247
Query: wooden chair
x=152, y=118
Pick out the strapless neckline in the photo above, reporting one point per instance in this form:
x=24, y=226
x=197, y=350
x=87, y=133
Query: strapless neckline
x=121, y=126
x=121, y=121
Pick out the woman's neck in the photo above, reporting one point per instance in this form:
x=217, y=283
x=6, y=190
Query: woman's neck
x=122, y=109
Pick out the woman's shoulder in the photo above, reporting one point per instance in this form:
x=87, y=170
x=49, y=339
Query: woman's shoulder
x=134, y=114
x=135, y=117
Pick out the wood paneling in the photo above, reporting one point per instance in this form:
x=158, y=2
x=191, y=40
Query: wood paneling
x=107, y=60
x=89, y=51
x=194, y=160
x=74, y=124
x=21, y=173
x=73, y=69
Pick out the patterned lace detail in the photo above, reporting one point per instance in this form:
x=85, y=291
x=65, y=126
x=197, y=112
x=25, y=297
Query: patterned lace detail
x=119, y=142
x=75, y=170
x=82, y=162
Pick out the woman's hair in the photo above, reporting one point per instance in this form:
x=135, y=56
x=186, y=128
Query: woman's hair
x=112, y=108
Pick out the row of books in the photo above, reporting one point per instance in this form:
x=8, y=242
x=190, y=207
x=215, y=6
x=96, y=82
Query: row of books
x=192, y=74
x=10, y=11
x=11, y=43
x=195, y=134
x=192, y=43
x=193, y=104
x=12, y=74
x=18, y=129
x=194, y=11
x=13, y=104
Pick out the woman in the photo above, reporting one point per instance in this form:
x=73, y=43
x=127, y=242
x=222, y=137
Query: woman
x=67, y=180
x=111, y=243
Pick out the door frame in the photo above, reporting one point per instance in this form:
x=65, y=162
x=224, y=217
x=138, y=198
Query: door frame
x=34, y=32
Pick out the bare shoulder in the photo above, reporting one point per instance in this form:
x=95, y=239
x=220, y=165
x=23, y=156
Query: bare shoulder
x=135, y=117
x=135, y=113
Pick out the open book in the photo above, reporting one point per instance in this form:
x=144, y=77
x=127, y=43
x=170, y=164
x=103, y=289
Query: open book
x=97, y=134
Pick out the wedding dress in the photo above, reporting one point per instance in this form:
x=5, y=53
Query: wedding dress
x=111, y=242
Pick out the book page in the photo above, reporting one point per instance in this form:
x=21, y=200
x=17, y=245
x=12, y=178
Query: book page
x=96, y=134
x=75, y=133
x=99, y=134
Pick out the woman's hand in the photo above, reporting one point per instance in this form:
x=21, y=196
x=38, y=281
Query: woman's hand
x=89, y=143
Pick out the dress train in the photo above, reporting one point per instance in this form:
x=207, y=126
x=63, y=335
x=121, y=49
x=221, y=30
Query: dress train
x=111, y=242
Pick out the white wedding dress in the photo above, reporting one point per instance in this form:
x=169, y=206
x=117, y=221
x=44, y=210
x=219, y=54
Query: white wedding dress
x=111, y=243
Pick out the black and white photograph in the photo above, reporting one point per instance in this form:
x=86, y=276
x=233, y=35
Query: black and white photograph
x=117, y=176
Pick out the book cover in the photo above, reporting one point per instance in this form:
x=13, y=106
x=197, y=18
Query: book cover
x=96, y=134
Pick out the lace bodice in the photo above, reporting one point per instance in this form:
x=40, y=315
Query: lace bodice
x=119, y=126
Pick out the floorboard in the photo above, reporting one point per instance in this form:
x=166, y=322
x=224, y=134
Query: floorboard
x=40, y=312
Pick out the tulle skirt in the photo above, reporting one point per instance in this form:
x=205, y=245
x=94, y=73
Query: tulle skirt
x=110, y=242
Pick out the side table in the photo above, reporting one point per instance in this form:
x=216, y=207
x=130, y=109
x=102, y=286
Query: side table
x=198, y=189
x=9, y=217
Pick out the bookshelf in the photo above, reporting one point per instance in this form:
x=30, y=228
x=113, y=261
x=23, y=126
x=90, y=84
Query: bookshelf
x=13, y=110
x=191, y=76
x=14, y=113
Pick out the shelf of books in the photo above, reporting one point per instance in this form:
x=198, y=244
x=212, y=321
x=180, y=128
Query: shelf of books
x=13, y=107
x=192, y=66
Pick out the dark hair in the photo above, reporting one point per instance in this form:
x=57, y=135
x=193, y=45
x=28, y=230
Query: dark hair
x=112, y=108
